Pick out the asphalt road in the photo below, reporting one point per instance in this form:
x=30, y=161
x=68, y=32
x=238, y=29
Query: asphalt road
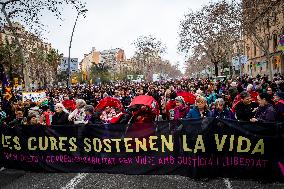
x=13, y=179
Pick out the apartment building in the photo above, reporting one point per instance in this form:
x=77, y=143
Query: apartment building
x=262, y=49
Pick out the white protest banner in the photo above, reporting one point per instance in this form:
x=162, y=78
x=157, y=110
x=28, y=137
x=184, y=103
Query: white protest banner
x=34, y=96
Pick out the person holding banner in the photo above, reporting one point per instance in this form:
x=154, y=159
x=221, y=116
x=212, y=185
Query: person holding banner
x=19, y=120
x=221, y=111
x=32, y=120
x=78, y=115
x=61, y=115
x=200, y=110
x=245, y=109
x=181, y=108
x=265, y=111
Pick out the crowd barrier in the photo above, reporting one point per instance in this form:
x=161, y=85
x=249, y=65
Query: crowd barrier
x=207, y=147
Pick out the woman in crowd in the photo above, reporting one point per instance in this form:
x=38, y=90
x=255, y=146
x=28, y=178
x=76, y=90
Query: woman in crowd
x=32, y=119
x=279, y=105
x=252, y=92
x=200, y=110
x=92, y=117
x=269, y=91
x=265, y=111
x=61, y=115
x=212, y=96
x=170, y=106
x=78, y=115
x=221, y=111
x=181, y=108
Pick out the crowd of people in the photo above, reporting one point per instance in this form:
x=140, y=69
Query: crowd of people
x=245, y=99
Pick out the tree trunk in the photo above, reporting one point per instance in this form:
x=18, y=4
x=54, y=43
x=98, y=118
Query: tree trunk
x=216, y=69
x=11, y=75
x=25, y=69
x=269, y=62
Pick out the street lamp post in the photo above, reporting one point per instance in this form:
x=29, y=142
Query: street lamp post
x=69, y=69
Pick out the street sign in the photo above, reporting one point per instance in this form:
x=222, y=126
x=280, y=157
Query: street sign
x=74, y=65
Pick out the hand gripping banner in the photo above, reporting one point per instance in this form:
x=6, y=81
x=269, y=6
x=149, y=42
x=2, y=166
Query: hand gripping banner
x=195, y=148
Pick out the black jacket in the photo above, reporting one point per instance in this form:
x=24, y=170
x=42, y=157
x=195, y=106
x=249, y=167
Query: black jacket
x=266, y=114
x=60, y=119
x=245, y=112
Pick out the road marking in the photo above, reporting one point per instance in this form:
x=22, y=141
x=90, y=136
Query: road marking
x=75, y=181
x=2, y=168
x=228, y=183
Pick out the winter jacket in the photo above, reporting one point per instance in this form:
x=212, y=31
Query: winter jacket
x=225, y=114
x=194, y=113
x=180, y=112
x=245, y=112
x=16, y=122
x=170, y=106
x=266, y=114
x=279, y=107
x=60, y=119
x=211, y=98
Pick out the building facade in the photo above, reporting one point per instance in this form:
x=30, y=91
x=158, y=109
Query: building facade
x=111, y=58
x=262, y=48
x=35, y=52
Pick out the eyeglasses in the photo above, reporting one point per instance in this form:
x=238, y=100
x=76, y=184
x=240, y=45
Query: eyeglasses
x=200, y=101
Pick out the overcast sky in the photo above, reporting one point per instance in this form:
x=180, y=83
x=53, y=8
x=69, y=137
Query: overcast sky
x=117, y=23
